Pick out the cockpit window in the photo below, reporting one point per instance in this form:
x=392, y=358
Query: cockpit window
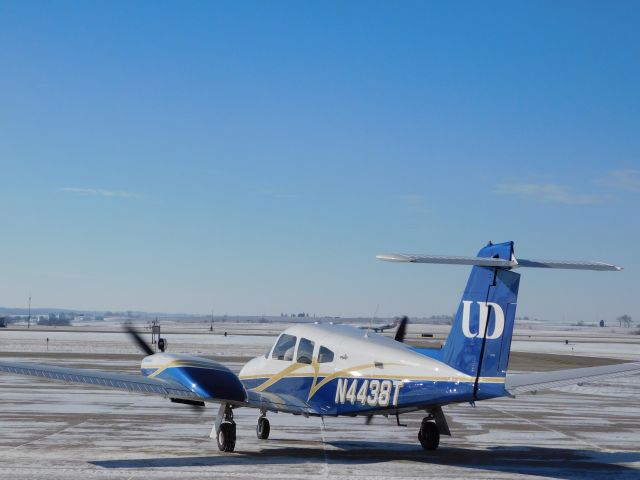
x=284, y=347
x=325, y=355
x=305, y=350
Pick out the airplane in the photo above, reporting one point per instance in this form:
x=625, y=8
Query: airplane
x=381, y=328
x=332, y=370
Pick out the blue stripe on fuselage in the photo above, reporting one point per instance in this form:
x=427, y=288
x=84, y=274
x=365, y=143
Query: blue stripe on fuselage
x=413, y=393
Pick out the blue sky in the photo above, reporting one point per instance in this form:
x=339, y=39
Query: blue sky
x=253, y=157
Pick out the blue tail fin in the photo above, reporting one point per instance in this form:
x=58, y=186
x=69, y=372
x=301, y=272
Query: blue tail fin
x=480, y=337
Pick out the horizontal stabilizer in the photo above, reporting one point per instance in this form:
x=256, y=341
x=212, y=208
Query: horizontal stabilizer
x=444, y=259
x=568, y=265
x=496, y=262
x=530, y=382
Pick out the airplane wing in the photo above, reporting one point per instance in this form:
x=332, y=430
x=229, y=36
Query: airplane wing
x=110, y=380
x=151, y=386
x=277, y=402
x=530, y=382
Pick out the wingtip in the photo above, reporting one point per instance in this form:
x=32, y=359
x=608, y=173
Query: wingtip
x=393, y=257
x=611, y=267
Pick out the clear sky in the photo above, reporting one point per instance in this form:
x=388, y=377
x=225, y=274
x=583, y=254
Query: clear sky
x=253, y=157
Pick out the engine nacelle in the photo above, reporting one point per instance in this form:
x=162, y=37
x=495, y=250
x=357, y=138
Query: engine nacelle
x=206, y=378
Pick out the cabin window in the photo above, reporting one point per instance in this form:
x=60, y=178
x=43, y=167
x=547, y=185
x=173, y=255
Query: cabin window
x=284, y=347
x=325, y=355
x=305, y=350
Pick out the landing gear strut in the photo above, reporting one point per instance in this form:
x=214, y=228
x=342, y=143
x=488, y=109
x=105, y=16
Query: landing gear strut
x=263, y=428
x=429, y=434
x=225, y=429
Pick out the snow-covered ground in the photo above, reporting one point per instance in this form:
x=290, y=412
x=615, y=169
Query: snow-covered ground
x=622, y=351
x=57, y=431
x=203, y=343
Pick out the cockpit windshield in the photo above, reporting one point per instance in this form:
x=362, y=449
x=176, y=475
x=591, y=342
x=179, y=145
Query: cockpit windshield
x=284, y=348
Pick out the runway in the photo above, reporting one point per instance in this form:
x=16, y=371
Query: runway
x=57, y=431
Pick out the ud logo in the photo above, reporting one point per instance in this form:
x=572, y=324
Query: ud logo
x=482, y=323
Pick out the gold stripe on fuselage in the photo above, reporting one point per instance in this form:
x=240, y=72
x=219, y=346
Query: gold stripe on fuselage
x=370, y=377
x=348, y=372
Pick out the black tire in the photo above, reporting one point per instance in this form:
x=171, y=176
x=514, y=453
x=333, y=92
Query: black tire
x=263, y=428
x=429, y=436
x=226, y=437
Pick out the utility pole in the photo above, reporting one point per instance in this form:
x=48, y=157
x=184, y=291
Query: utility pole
x=29, y=319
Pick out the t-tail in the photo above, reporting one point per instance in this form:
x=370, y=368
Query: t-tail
x=480, y=338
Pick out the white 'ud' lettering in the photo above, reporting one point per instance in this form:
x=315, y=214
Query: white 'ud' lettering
x=483, y=315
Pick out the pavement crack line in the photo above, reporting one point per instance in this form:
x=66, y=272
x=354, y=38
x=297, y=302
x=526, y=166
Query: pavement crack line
x=546, y=427
x=324, y=448
x=69, y=425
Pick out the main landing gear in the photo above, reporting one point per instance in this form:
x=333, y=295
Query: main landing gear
x=224, y=429
x=433, y=425
x=263, y=428
x=429, y=435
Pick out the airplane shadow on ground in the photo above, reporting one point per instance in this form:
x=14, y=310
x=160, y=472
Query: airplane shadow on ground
x=545, y=462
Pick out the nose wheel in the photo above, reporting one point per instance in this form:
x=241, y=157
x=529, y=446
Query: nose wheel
x=263, y=428
x=429, y=435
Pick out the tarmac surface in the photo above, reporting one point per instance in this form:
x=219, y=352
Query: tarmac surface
x=57, y=431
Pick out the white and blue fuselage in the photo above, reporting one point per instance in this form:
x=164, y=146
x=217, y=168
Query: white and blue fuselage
x=351, y=371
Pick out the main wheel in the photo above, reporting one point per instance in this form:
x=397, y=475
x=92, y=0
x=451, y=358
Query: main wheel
x=429, y=436
x=263, y=428
x=226, y=437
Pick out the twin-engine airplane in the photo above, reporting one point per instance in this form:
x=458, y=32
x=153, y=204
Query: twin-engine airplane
x=331, y=370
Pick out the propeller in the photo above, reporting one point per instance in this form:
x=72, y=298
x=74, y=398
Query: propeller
x=197, y=407
x=402, y=329
x=137, y=339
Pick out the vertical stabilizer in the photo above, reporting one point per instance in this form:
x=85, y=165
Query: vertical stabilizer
x=480, y=337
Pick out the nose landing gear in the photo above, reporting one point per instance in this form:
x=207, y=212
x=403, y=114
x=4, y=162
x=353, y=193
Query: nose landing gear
x=263, y=428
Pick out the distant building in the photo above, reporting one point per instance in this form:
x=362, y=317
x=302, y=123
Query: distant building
x=54, y=320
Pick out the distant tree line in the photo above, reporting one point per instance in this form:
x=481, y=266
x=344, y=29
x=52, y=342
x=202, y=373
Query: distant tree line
x=625, y=320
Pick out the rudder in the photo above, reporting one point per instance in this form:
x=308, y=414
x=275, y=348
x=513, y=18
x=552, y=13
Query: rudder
x=480, y=337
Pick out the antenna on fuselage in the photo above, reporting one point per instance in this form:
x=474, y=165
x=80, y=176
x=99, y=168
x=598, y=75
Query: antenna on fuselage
x=366, y=334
